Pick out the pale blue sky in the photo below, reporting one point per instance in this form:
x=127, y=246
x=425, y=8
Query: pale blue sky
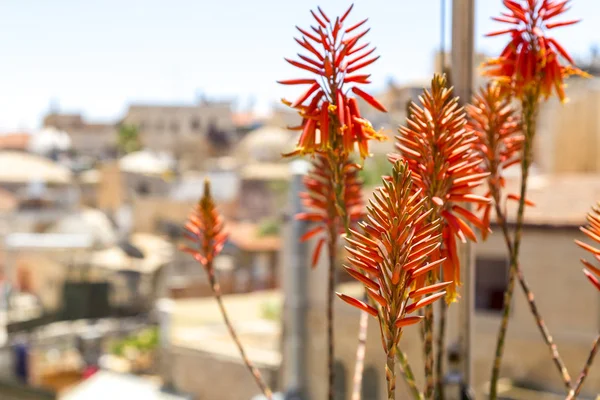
x=96, y=57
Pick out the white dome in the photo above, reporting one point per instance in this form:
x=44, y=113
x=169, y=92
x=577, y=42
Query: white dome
x=266, y=144
x=49, y=139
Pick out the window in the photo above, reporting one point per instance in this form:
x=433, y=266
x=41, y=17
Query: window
x=491, y=279
x=195, y=124
x=339, y=372
x=370, y=387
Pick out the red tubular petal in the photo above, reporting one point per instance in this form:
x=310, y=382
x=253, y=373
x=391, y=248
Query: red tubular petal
x=498, y=33
x=315, y=86
x=362, y=65
x=424, y=302
x=362, y=278
x=592, y=278
x=311, y=233
x=353, y=27
x=309, y=35
x=356, y=59
x=516, y=197
x=358, y=304
x=318, y=19
x=561, y=50
x=340, y=107
x=304, y=66
x=376, y=297
x=369, y=99
x=311, y=61
x=317, y=252
x=508, y=20
x=551, y=25
x=357, y=78
x=428, y=289
x=323, y=14
x=297, y=82
x=352, y=51
x=471, y=217
x=408, y=321
x=324, y=123
x=346, y=13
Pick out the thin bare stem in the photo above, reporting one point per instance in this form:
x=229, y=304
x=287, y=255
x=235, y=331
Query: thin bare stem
x=361, y=351
x=409, y=376
x=584, y=372
x=266, y=390
x=441, y=351
x=529, y=116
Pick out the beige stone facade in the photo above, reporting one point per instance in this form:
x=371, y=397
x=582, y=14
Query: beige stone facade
x=568, y=138
x=175, y=128
x=89, y=139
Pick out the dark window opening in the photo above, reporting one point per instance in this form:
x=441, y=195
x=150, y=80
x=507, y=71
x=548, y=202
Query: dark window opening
x=143, y=188
x=340, y=381
x=195, y=124
x=491, y=279
x=370, y=387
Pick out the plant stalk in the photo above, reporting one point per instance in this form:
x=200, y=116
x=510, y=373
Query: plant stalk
x=409, y=376
x=529, y=114
x=390, y=374
x=574, y=392
x=216, y=288
x=441, y=351
x=560, y=365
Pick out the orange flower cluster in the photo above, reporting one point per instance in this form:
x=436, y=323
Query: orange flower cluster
x=531, y=58
x=500, y=139
x=392, y=253
x=330, y=117
x=204, y=229
x=320, y=196
x=445, y=165
x=592, y=231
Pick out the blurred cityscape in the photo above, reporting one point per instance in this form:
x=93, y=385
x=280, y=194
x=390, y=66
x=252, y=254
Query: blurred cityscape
x=98, y=299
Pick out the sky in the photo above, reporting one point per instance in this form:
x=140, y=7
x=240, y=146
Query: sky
x=97, y=57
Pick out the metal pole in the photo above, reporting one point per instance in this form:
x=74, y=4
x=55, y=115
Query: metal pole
x=462, y=78
x=442, y=36
x=295, y=289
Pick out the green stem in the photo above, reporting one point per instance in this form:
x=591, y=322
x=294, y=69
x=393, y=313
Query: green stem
x=573, y=393
x=390, y=374
x=409, y=376
x=529, y=114
x=266, y=390
x=560, y=365
x=441, y=351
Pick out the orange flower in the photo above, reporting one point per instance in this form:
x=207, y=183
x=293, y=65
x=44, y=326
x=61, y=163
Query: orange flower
x=499, y=139
x=330, y=116
x=320, y=202
x=592, y=231
x=392, y=252
x=439, y=150
x=531, y=58
x=205, y=230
